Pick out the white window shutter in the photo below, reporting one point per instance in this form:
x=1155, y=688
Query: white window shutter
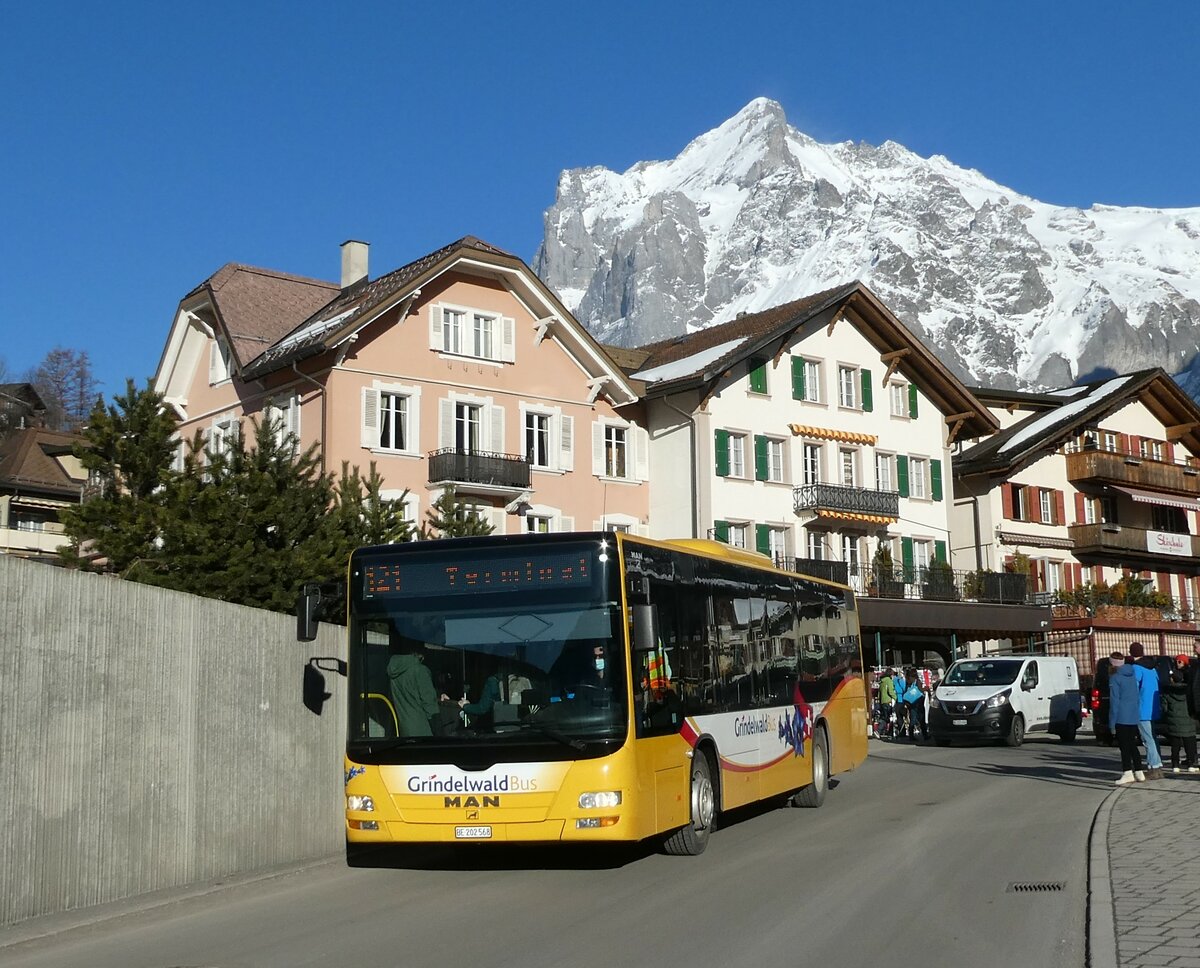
x=414, y=422
x=597, y=525
x=499, y=520
x=508, y=347
x=598, y=449
x=643, y=530
x=445, y=423
x=370, y=417
x=641, y=453
x=435, y=327
x=566, y=435
x=566, y=523
x=214, y=362
x=496, y=422
x=293, y=412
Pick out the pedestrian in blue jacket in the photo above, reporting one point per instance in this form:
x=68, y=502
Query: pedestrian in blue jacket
x=1124, y=714
x=1148, y=690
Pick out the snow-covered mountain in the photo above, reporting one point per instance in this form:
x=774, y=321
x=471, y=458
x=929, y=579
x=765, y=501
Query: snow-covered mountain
x=1012, y=291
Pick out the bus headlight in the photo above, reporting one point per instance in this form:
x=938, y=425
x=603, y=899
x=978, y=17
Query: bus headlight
x=365, y=804
x=593, y=801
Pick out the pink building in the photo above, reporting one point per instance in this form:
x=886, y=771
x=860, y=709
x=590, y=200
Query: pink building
x=460, y=368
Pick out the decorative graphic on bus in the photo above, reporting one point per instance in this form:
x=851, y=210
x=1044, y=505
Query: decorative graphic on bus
x=797, y=727
x=354, y=771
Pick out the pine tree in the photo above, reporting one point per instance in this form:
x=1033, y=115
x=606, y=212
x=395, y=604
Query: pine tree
x=448, y=517
x=128, y=455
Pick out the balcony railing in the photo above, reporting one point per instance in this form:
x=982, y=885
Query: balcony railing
x=816, y=567
x=495, y=470
x=1129, y=469
x=928, y=584
x=841, y=497
x=1123, y=541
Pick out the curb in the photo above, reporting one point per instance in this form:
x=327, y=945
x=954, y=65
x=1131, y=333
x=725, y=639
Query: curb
x=1101, y=950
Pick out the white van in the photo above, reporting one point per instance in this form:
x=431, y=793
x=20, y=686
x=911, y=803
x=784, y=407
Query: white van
x=1005, y=697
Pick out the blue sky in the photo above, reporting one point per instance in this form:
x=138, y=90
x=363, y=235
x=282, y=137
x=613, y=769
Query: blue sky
x=146, y=144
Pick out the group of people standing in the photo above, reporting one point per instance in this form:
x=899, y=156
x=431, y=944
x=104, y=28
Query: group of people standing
x=900, y=712
x=1141, y=692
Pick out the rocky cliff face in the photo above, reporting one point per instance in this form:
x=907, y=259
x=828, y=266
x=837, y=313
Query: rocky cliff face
x=1011, y=291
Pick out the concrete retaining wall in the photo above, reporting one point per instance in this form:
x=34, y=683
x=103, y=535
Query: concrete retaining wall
x=151, y=739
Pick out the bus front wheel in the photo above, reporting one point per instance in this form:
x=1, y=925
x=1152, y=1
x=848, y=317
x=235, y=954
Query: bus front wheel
x=813, y=795
x=693, y=838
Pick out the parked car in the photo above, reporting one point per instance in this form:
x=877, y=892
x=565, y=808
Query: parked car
x=1004, y=697
x=1164, y=665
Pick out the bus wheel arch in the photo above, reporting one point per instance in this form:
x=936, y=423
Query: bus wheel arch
x=703, y=800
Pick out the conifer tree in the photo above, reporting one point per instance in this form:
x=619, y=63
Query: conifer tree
x=448, y=517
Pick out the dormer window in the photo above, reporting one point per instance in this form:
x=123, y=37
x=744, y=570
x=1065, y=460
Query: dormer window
x=474, y=333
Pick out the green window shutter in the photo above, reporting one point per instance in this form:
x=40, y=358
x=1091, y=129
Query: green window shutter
x=912, y=400
x=762, y=538
x=902, y=475
x=760, y=458
x=935, y=479
x=939, y=551
x=758, y=375
x=721, y=444
x=907, y=558
x=797, y=378
x=721, y=531
x=866, y=391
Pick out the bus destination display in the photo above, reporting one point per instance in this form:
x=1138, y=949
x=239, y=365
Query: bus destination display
x=421, y=577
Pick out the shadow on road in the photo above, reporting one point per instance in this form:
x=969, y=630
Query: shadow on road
x=502, y=857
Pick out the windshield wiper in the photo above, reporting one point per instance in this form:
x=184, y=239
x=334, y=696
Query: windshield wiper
x=554, y=734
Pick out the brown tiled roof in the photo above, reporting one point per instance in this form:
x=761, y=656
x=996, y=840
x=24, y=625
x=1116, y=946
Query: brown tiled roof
x=752, y=327
x=27, y=462
x=628, y=358
x=355, y=299
x=259, y=306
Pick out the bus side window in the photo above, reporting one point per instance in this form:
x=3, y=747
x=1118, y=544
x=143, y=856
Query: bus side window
x=656, y=675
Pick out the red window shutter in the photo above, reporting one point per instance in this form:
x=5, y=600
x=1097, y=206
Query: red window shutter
x=1164, y=582
x=1032, y=506
x=1169, y=451
x=1069, y=577
x=1124, y=438
x=1006, y=497
x=1060, y=511
x=1079, y=582
x=1135, y=445
x=1079, y=508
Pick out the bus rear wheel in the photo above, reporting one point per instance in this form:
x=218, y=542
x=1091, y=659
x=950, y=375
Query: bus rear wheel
x=692, y=839
x=813, y=795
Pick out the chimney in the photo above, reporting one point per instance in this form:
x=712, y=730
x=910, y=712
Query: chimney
x=354, y=262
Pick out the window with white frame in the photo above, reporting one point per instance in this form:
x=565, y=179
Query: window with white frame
x=480, y=334
x=390, y=418
x=737, y=455
x=848, y=465
x=1152, y=449
x=1089, y=510
x=408, y=504
x=1046, y=501
x=777, y=542
x=1053, y=572
x=851, y=553
x=815, y=543
x=1108, y=441
x=468, y=427
x=899, y=395
x=811, y=463
x=453, y=323
x=538, y=523
x=848, y=386
x=884, y=478
x=737, y=535
x=620, y=450
x=774, y=459
x=918, y=469
x=922, y=555
x=615, y=452
x=812, y=381
x=538, y=439
x=222, y=435
x=393, y=421
x=284, y=416
x=219, y=359
x=483, y=336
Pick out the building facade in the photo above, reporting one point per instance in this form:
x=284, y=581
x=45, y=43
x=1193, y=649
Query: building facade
x=39, y=477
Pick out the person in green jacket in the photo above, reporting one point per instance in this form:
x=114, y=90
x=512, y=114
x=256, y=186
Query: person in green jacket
x=887, y=701
x=413, y=696
x=1181, y=728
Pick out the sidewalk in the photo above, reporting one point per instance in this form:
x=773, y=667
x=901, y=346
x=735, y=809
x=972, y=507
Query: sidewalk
x=1149, y=835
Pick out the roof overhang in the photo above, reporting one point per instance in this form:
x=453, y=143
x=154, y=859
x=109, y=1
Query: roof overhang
x=968, y=620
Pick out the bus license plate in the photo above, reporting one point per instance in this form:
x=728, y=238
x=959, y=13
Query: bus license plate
x=472, y=833
x=960, y=722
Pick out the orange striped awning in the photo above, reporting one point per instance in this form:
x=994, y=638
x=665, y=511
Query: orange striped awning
x=827, y=433
x=856, y=516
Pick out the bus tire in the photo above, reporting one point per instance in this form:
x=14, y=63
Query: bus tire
x=1016, y=731
x=813, y=795
x=702, y=797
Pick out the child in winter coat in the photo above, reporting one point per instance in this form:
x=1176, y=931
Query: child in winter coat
x=1181, y=728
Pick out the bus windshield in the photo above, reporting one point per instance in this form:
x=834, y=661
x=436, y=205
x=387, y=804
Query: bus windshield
x=983, y=672
x=514, y=647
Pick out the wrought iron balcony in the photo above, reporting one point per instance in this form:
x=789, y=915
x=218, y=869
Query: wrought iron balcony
x=816, y=567
x=451, y=465
x=852, y=500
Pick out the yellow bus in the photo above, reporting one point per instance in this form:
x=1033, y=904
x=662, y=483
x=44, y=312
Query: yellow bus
x=589, y=687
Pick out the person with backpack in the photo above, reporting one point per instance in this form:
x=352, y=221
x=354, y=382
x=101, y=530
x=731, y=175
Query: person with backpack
x=900, y=709
x=914, y=700
x=1181, y=728
x=1124, y=714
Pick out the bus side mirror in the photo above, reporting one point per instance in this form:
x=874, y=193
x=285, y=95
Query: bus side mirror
x=306, y=612
x=645, y=628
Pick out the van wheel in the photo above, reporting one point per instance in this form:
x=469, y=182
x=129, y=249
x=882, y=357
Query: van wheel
x=692, y=839
x=1068, y=733
x=813, y=795
x=1016, y=732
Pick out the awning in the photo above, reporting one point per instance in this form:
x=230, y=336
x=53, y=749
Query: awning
x=37, y=502
x=1035, y=540
x=827, y=433
x=856, y=516
x=1163, y=500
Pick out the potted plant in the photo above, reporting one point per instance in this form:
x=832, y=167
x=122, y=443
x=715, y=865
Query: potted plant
x=938, y=583
x=884, y=575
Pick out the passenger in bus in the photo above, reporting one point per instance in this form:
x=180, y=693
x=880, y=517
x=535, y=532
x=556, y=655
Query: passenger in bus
x=413, y=696
x=481, y=713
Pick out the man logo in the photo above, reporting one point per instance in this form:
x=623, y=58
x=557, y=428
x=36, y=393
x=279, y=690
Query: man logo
x=470, y=801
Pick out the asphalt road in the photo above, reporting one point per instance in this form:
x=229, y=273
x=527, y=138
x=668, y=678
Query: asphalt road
x=909, y=862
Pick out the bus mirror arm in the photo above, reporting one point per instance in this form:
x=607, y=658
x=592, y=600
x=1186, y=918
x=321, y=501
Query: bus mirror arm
x=329, y=663
x=645, y=628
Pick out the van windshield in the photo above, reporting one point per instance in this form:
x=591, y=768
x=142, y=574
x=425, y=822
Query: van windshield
x=983, y=672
